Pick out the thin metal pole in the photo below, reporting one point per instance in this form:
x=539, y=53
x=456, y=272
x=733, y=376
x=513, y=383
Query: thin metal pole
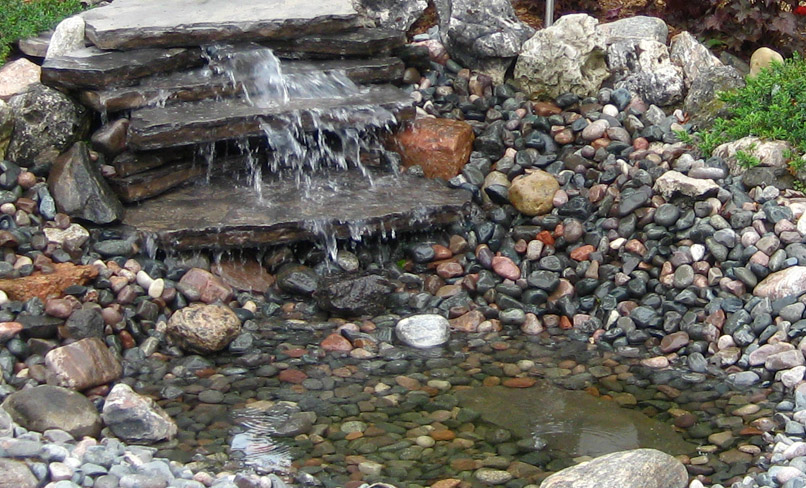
x=549, y=13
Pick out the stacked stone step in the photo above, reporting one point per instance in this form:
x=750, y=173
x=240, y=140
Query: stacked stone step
x=145, y=72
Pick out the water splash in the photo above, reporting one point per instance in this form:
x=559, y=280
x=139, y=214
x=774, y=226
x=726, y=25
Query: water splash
x=256, y=445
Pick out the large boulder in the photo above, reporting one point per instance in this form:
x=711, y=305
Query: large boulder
x=567, y=57
x=769, y=153
x=52, y=407
x=16, y=474
x=392, y=14
x=639, y=468
x=68, y=37
x=135, y=418
x=485, y=35
x=6, y=127
x=204, y=328
x=781, y=284
x=702, y=102
x=692, y=56
x=46, y=120
x=635, y=29
x=80, y=190
x=644, y=67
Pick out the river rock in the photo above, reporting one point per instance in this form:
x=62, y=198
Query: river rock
x=639, y=468
x=68, y=36
x=297, y=279
x=440, y=146
x=354, y=295
x=673, y=182
x=423, y=331
x=769, y=153
x=80, y=190
x=82, y=364
x=52, y=121
x=135, y=418
x=6, y=127
x=762, y=58
x=16, y=474
x=85, y=322
x=782, y=284
x=16, y=76
x=485, y=35
x=533, y=194
x=204, y=328
x=52, y=407
x=200, y=284
x=393, y=14
x=567, y=57
x=644, y=67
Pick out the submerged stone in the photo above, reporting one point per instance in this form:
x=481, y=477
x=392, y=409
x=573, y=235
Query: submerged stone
x=572, y=422
x=641, y=468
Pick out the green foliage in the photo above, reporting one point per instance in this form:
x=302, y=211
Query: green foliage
x=771, y=106
x=20, y=19
x=743, y=25
x=747, y=160
x=684, y=137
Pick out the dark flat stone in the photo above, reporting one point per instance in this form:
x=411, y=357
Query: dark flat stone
x=217, y=120
x=130, y=163
x=93, y=68
x=155, y=182
x=358, y=43
x=201, y=84
x=129, y=24
x=225, y=215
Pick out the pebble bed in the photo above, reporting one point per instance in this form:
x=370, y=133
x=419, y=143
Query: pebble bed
x=620, y=291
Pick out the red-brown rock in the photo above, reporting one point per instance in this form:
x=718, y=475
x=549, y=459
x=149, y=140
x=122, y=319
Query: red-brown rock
x=441, y=146
x=336, y=343
x=582, y=253
x=82, y=364
x=519, y=382
x=209, y=287
x=468, y=322
x=50, y=285
x=293, y=376
x=247, y=275
x=8, y=330
x=506, y=268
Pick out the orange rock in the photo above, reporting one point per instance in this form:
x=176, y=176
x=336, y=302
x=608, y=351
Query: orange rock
x=491, y=381
x=49, y=285
x=443, y=435
x=336, y=342
x=582, y=253
x=545, y=237
x=447, y=483
x=565, y=323
x=468, y=322
x=519, y=382
x=441, y=146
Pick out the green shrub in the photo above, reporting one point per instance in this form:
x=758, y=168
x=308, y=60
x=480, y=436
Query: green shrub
x=771, y=106
x=20, y=19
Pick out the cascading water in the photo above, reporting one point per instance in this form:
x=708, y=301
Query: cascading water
x=304, y=142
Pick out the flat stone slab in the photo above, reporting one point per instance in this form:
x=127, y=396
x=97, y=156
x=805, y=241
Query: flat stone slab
x=343, y=204
x=129, y=24
x=201, y=84
x=94, y=69
x=218, y=120
x=358, y=43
